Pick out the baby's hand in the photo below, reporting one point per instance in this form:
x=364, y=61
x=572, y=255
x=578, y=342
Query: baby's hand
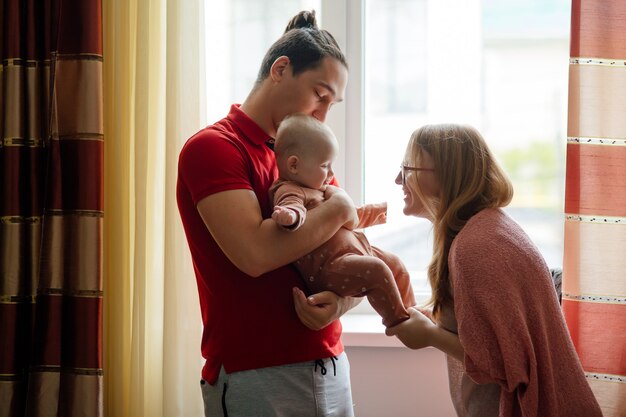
x=284, y=216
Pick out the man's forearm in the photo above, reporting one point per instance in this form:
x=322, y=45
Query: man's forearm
x=256, y=245
x=276, y=247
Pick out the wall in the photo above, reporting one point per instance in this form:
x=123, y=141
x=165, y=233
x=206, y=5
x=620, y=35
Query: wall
x=390, y=380
x=398, y=382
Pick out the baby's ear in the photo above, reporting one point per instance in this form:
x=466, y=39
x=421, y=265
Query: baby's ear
x=292, y=164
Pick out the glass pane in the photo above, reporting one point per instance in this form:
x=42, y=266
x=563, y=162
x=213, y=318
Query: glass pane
x=526, y=56
x=396, y=97
x=501, y=66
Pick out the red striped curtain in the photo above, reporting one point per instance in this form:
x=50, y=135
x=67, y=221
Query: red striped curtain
x=51, y=208
x=594, y=274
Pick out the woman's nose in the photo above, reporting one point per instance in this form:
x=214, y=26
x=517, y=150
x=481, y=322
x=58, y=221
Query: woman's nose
x=399, y=178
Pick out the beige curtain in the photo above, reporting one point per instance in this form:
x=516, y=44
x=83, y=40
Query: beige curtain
x=154, y=100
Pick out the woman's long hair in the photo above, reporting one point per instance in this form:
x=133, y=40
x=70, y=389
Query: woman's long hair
x=470, y=180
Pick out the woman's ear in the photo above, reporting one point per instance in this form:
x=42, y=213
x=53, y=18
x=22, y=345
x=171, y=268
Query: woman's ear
x=279, y=67
x=292, y=164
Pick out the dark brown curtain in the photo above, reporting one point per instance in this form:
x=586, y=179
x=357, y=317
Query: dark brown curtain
x=51, y=208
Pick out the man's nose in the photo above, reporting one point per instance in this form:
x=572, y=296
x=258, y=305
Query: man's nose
x=321, y=112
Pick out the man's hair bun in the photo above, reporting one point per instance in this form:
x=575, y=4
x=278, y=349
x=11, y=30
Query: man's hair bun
x=304, y=19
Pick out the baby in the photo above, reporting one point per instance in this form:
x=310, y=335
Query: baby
x=346, y=264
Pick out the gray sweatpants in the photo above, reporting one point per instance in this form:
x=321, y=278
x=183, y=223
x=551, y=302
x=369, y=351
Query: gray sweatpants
x=307, y=389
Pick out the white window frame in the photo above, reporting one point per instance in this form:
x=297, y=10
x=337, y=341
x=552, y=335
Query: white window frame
x=345, y=20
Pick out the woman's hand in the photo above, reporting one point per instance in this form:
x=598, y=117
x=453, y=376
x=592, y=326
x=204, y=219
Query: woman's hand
x=319, y=310
x=416, y=332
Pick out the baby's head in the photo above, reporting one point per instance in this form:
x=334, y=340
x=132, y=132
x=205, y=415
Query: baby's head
x=305, y=150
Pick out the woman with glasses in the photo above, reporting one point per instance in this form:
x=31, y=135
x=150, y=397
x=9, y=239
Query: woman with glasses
x=495, y=312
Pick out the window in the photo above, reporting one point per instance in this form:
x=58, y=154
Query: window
x=500, y=65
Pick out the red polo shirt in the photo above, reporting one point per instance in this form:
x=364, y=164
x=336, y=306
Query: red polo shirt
x=248, y=322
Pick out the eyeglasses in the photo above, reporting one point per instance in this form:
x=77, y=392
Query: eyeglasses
x=404, y=168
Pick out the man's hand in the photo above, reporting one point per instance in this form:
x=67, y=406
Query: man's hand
x=345, y=205
x=319, y=310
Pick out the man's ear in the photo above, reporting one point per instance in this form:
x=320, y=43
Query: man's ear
x=279, y=68
x=292, y=164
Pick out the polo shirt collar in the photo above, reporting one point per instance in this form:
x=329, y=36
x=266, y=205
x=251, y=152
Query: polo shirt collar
x=248, y=127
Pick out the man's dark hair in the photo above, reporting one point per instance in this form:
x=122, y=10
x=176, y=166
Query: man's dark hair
x=304, y=44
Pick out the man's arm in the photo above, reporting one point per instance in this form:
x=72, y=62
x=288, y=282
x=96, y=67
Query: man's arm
x=256, y=245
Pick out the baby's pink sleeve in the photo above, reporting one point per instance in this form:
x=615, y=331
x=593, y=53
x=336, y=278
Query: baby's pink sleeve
x=372, y=214
x=291, y=197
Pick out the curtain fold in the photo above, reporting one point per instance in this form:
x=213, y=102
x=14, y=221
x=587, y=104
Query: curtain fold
x=594, y=281
x=154, y=100
x=51, y=209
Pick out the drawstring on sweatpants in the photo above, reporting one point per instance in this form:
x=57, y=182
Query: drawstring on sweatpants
x=320, y=362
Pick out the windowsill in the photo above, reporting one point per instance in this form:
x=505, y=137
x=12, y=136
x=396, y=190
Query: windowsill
x=366, y=330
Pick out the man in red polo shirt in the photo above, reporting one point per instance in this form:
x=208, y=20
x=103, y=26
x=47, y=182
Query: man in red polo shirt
x=265, y=357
